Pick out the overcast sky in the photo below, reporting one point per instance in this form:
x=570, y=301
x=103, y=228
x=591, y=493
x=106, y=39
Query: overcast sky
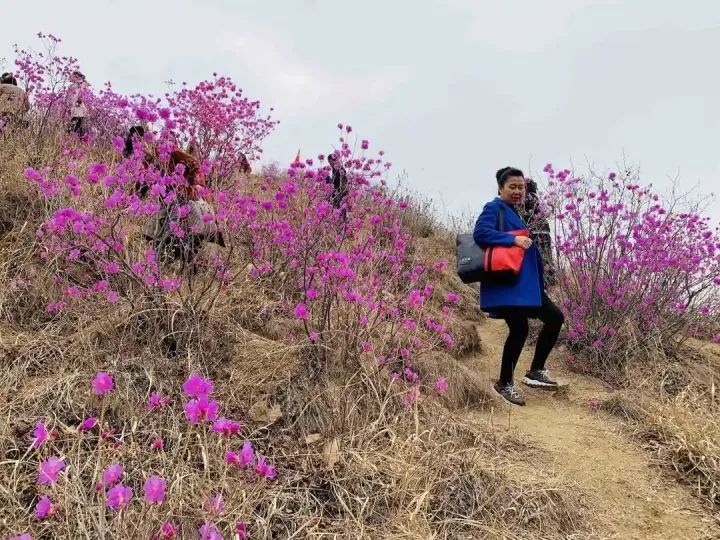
x=451, y=89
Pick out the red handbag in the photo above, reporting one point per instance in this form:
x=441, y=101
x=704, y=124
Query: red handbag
x=490, y=264
x=504, y=259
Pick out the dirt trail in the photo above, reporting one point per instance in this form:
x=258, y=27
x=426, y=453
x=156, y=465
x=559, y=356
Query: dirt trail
x=631, y=498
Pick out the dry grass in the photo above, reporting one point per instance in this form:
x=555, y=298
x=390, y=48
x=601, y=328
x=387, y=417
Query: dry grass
x=353, y=461
x=674, y=412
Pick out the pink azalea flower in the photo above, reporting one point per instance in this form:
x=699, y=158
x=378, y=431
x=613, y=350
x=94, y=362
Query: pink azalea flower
x=87, y=424
x=41, y=435
x=157, y=444
x=214, y=504
x=209, y=532
x=241, y=530
x=196, y=386
x=313, y=336
x=226, y=427
x=119, y=497
x=247, y=455
x=231, y=458
x=49, y=469
x=44, y=508
x=264, y=469
x=441, y=386
x=102, y=383
x=155, y=401
x=112, y=474
x=412, y=396
x=25, y=536
x=154, y=490
x=301, y=312
x=200, y=410
x=168, y=530
x=452, y=297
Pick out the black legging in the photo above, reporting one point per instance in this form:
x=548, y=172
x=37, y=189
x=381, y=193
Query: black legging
x=517, y=321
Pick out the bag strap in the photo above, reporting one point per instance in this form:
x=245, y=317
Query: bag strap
x=501, y=219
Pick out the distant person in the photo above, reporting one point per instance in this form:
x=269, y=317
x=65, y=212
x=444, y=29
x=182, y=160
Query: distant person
x=78, y=108
x=339, y=180
x=522, y=300
x=539, y=229
x=244, y=164
x=13, y=99
x=134, y=136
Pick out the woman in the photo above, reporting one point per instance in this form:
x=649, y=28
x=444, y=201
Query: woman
x=522, y=300
x=78, y=109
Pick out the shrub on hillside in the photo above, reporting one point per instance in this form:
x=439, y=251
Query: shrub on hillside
x=638, y=274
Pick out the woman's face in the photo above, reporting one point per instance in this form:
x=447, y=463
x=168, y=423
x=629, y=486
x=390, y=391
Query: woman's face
x=513, y=190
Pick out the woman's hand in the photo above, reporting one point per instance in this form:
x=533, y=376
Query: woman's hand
x=523, y=242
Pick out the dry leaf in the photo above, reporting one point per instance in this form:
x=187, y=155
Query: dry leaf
x=261, y=412
x=312, y=438
x=331, y=453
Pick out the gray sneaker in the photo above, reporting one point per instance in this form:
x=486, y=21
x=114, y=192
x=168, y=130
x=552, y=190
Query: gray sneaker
x=509, y=393
x=540, y=378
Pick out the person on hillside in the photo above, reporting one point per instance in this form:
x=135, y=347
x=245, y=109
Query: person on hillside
x=134, y=137
x=339, y=180
x=539, y=229
x=78, y=108
x=522, y=300
x=13, y=100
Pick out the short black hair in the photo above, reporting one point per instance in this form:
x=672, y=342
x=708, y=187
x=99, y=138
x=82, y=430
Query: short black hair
x=506, y=172
x=8, y=78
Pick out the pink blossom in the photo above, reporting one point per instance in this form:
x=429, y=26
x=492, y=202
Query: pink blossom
x=168, y=530
x=41, y=435
x=24, y=536
x=87, y=424
x=241, y=530
x=214, y=503
x=49, y=469
x=157, y=444
x=412, y=396
x=231, y=458
x=118, y=497
x=452, y=297
x=155, y=401
x=441, y=386
x=111, y=474
x=264, y=469
x=313, y=336
x=102, y=383
x=301, y=312
x=154, y=490
x=209, y=532
x=226, y=427
x=195, y=386
x=247, y=455
x=44, y=508
x=200, y=410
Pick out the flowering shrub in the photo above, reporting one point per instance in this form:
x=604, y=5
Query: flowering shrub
x=638, y=274
x=340, y=268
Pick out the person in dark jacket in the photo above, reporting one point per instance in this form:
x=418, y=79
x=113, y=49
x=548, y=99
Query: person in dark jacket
x=522, y=300
x=539, y=229
x=338, y=177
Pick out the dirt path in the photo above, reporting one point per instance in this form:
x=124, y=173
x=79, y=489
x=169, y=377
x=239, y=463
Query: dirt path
x=631, y=499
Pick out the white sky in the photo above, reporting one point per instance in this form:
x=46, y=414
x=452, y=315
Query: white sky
x=451, y=89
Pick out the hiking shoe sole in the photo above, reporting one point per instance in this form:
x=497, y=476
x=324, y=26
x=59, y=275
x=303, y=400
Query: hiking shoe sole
x=532, y=383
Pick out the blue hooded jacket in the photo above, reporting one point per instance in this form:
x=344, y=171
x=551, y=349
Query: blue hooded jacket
x=527, y=290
